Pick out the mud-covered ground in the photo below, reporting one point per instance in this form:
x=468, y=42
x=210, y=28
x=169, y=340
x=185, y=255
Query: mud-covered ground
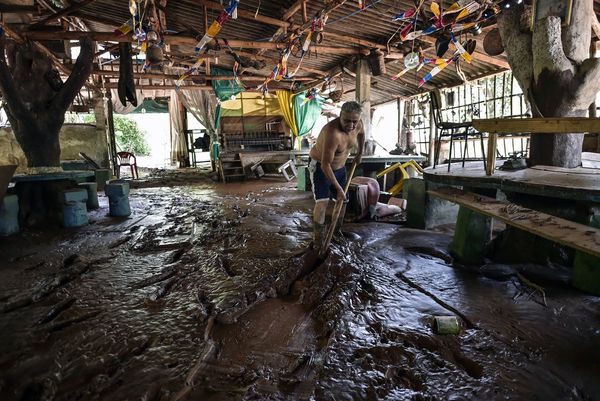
x=195, y=297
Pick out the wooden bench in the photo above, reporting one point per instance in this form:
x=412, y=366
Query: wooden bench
x=496, y=126
x=556, y=229
x=472, y=232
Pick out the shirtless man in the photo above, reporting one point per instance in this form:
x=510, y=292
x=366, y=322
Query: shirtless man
x=327, y=160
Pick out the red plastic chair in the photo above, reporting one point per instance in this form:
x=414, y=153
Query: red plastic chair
x=128, y=159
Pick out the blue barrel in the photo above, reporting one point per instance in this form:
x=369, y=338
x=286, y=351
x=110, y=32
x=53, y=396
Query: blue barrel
x=75, y=214
x=92, y=194
x=118, y=206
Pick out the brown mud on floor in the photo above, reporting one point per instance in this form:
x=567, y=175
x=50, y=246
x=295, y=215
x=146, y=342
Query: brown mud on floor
x=188, y=300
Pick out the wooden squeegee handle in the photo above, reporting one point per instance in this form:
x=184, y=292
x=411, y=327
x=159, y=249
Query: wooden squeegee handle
x=336, y=214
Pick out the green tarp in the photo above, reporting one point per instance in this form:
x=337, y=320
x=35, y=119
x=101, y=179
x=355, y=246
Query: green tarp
x=226, y=88
x=306, y=113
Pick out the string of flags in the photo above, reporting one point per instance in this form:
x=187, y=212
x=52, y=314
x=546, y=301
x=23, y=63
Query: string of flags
x=303, y=42
x=229, y=13
x=444, y=24
x=460, y=16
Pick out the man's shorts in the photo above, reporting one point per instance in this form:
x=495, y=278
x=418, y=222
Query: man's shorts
x=322, y=188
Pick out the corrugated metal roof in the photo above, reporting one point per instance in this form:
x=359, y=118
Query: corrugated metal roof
x=345, y=24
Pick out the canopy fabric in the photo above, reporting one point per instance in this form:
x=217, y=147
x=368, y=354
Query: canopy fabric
x=306, y=112
x=227, y=88
x=287, y=109
x=251, y=104
x=179, y=152
x=151, y=106
x=118, y=107
x=202, y=105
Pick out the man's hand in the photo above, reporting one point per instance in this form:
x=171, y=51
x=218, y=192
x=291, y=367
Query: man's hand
x=358, y=159
x=340, y=196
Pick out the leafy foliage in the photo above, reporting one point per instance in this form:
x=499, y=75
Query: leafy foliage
x=129, y=137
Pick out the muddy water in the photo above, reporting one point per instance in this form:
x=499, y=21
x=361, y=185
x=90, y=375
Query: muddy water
x=193, y=298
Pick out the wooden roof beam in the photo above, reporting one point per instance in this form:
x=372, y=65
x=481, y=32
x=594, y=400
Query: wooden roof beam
x=149, y=75
x=176, y=40
x=18, y=9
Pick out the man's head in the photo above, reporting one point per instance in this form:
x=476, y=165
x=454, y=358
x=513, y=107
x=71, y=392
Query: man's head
x=350, y=116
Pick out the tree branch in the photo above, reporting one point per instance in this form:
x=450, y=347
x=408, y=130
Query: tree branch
x=7, y=86
x=79, y=75
x=576, y=37
x=517, y=46
x=546, y=46
x=588, y=81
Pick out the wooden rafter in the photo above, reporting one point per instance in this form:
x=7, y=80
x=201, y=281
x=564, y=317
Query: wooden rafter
x=176, y=40
x=64, y=12
x=149, y=75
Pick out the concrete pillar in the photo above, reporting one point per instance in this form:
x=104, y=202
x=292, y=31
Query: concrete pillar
x=424, y=211
x=586, y=268
x=472, y=233
x=363, y=96
x=9, y=215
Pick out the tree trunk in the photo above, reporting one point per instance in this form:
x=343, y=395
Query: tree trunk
x=37, y=98
x=558, y=79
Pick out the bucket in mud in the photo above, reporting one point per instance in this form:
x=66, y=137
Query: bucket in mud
x=445, y=325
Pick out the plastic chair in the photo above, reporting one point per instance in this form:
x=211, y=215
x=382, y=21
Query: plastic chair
x=451, y=130
x=127, y=159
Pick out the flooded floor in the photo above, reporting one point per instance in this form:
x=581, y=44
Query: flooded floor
x=195, y=297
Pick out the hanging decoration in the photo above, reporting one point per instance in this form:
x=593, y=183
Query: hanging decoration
x=296, y=41
x=133, y=24
x=459, y=17
x=230, y=12
x=312, y=94
x=460, y=52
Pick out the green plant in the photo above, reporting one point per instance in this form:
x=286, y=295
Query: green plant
x=128, y=135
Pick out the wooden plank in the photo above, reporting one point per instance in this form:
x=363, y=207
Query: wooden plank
x=565, y=232
x=538, y=125
x=149, y=75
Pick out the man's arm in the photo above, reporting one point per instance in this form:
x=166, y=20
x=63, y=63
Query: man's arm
x=329, y=148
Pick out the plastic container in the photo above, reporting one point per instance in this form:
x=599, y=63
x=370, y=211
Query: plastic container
x=446, y=325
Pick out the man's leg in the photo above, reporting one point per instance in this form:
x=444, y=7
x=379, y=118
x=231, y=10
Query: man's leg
x=319, y=220
x=320, y=187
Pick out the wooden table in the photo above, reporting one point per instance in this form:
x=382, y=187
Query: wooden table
x=563, y=125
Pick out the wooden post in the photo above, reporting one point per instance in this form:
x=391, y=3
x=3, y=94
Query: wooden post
x=100, y=112
x=432, y=136
x=401, y=138
x=183, y=111
x=363, y=96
